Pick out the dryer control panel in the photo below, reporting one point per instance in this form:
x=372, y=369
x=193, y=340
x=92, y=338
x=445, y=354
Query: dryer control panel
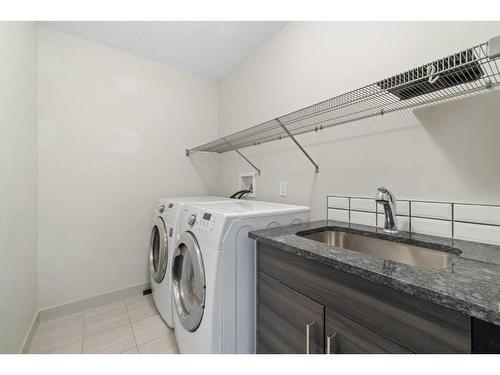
x=167, y=210
x=205, y=225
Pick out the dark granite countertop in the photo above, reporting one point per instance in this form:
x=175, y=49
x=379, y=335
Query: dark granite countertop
x=471, y=284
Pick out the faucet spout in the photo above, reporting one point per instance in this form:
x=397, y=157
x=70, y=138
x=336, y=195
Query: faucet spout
x=387, y=199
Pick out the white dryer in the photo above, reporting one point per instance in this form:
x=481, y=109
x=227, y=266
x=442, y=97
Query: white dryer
x=160, y=250
x=214, y=273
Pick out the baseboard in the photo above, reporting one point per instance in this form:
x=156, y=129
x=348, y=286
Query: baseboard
x=76, y=307
x=29, y=335
x=87, y=303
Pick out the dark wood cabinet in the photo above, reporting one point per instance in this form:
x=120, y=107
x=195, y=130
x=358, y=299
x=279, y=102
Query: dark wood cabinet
x=345, y=336
x=351, y=314
x=485, y=337
x=288, y=322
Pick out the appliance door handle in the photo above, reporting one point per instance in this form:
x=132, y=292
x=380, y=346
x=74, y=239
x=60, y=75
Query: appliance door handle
x=330, y=343
x=308, y=334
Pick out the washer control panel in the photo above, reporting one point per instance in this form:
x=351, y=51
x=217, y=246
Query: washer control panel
x=207, y=220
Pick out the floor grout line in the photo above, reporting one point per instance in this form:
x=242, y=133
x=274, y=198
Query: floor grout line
x=109, y=329
x=58, y=347
x=130, y=325
x=131, y=328
x=124, y=325
x=168, y=334
x=158, y=337
x=116, y=328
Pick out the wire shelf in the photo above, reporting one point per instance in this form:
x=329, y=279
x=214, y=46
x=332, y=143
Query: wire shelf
x=469, y=71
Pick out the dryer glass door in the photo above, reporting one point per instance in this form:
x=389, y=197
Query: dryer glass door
x=189, y=282
x=158, y=250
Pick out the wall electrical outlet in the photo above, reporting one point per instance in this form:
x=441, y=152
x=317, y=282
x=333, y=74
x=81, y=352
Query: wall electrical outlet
x=283, y=189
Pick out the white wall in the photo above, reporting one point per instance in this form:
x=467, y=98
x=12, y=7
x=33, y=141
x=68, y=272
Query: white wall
x=18, y=182
x=112, y=127
x=447, y=152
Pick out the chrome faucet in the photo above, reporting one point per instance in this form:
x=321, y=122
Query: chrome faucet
x=387, y=199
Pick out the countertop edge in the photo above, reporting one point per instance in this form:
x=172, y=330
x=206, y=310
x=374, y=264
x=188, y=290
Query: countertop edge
x=420, y=292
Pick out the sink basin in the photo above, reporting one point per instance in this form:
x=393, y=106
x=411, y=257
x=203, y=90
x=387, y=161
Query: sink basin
x=398, y=252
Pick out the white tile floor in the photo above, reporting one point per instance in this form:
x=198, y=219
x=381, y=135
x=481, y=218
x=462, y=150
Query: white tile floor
x=128, y=326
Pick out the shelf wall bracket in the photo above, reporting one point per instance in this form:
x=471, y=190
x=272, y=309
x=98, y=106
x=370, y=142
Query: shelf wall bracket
x=243, y=156
x=316, y=170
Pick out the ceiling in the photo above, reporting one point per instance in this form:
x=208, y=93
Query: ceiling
x=207, y=48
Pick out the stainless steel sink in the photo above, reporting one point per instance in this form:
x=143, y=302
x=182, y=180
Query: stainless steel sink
x=390, y=250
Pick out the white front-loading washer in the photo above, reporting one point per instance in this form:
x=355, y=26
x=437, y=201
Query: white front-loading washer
x=213, y=272
x=161, y=246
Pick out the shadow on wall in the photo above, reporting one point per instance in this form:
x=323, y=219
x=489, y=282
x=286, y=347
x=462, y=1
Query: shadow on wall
x=335, y=147
x=313, y=190
x=207, y=166
x=467, y=132
x=380, y=124
x=445, y=151
x=389, y=122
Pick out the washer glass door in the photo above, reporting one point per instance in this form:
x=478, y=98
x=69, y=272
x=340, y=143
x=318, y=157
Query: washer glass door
x=158, y=250
x=189, y=282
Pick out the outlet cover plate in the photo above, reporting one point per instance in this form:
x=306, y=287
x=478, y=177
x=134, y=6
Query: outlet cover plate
x=283, y=192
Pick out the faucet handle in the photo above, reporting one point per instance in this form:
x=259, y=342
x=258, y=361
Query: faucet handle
x=385, y=194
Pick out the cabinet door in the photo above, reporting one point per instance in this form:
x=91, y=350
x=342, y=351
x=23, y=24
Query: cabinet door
x=288, y=322
x=421, y=326
x=344, y=336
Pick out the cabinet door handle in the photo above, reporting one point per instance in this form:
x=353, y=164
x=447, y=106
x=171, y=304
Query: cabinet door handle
x=330, y=343
x=308, y=333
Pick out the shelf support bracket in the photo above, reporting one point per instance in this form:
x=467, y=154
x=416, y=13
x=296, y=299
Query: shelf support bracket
x=243, y=156
x=316, y=170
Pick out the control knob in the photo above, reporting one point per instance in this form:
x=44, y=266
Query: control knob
x=192, y=219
